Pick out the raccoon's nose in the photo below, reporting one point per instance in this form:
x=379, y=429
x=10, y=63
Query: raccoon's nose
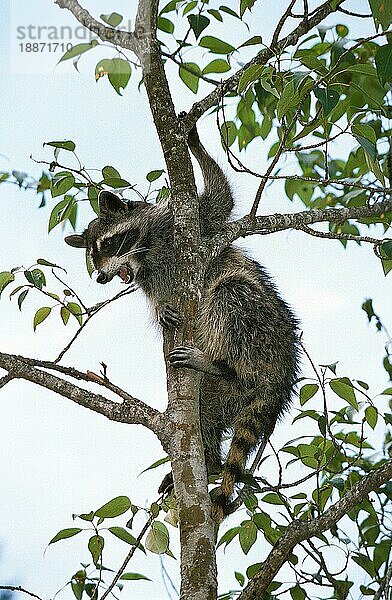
x=102, y=278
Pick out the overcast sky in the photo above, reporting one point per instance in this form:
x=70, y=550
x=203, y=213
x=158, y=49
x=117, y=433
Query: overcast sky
x=57, y=458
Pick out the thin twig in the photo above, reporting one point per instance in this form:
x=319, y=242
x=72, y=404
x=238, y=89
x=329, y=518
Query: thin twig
x=281, y=23
x=354, y=14
x=70, y=289
x=18, y=588
x=341, y=236
x=6, y=379
x=91, y=312
x=128, y=557
x=385, y=585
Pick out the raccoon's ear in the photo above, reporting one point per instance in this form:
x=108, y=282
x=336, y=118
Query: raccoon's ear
x=76, y=241
x=109, y=203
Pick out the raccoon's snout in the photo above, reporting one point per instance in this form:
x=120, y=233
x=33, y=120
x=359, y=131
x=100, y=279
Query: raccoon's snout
x=102, y=278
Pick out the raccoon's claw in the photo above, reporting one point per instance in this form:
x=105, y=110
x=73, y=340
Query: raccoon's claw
x=184, y=357
x=168, y=317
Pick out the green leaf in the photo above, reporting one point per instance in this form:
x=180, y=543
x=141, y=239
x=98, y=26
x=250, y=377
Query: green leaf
x=110, y=172
x=385, y=260
x=382, y=13
x=272, y=498
x=47, y=263
x=64, y=145
x=76, y=310
x=344, y=389
x=87, y=516
x=387, y=392
x=64, y=313
x=21, y=298
x=77, y=587
x=341, y=30
x=6, y=277
x=126, y=537
x=228, y=133
x=331, y=367
x=216, y=45
x=288, y=99
x=240, y=578
x=190, y=75
x=119, y=74
x=253, y=569
x=156, y=464
x=297, y=593
x=256, y=40
x=62, y=183
x=365, y=562
x=327, y=98
x=246, y=5
x=96, y=544
x=190, y=6
x=78, y=50
x=366, y=137
x=216, y=14
x=41, y=315
x=251, y=74
x=118, y=71
x=157, y=540
x=115, y=507
x=65, y=533
x=153, y=175
x=307, y=392
x=219, y=65
x=386, y=248
x=134, y=577
x=165, y=25
x=371, y=415
x=115, y=182
x=310, y=60
x=228, y=536
x=163, y=194
x=61, y=212
x=247, y=535
x=36, y=277
x=198, y=24
x=113, y=19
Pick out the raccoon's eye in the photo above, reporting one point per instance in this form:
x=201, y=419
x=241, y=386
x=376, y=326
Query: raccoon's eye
x=108, y=244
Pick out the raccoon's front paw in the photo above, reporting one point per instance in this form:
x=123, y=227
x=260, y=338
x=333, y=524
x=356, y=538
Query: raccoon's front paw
x=185, y=357
x=168, y=317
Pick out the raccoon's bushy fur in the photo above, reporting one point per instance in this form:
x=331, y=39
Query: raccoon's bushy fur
x=246, y=341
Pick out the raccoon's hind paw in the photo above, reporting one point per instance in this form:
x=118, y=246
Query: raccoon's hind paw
x=168, y=317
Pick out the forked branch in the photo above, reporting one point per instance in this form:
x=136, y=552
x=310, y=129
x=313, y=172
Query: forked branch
x=298, y=531
x=131, y=410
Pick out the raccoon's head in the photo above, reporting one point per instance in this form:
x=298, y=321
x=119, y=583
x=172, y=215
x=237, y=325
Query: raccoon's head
x=117, y=240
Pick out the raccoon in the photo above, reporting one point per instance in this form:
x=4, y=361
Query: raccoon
x=246, y=335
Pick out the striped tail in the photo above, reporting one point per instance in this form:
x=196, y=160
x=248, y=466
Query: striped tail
x=248, y=429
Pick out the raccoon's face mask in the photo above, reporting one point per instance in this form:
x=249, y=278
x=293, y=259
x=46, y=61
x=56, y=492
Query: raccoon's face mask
x=114, y=241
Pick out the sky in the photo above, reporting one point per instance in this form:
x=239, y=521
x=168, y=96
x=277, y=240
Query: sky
x=58, y=458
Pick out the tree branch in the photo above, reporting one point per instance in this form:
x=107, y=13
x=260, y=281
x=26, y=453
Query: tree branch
x=279, y=222
x=342, y=236
x=298, y=531
x=124, y=39
x=262, y=58
x=18, y=588
x=131, y=410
